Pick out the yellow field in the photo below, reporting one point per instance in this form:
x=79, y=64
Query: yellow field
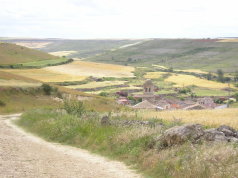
x=232, y=40
x=194, y=70
x=83, y=68
x=206, y=117
x=97, y=84
x=186, y=80
x=154, y=75
x=62, y=53
x=159, y=66
x=45, y=75
x=113, y=90
x=18, y=83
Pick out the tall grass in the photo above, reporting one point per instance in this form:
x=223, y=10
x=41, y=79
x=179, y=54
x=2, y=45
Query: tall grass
x=135, y=145
x=213, y=117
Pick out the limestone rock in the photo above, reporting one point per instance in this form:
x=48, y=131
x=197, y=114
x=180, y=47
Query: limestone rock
x=105, y=120
x=181, y=134
x=228, y=131
x=214, y=135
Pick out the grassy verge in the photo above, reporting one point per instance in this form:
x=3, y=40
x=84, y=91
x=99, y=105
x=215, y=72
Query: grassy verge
x=135, y=145
x=23, y=99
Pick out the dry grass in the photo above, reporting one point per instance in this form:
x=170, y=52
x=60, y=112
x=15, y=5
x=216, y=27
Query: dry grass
x=187, y=80
x=232, y=40
x=45, y=75
x=18, y=83
x=62, y=53
x=83, y=68
x=135, y=133
x=214, y=117
x=11, y=80
x=97, y=84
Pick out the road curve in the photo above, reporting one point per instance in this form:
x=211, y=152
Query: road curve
x=25, y=155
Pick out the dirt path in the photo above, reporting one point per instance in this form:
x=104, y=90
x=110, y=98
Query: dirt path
x=24, y=155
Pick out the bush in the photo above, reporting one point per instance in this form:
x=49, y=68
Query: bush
x=184, y=90
x=236, y=96
x=2, y=103
x=103, y=94
x=47, y=89
x=74, y=107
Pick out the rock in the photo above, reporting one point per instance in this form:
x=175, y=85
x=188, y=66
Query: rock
x=228, y=131
x=105, y=120
x=232, y=139
x=214, y=135
x=181, y=134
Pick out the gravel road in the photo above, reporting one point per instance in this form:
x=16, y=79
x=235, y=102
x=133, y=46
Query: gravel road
x=25, y=155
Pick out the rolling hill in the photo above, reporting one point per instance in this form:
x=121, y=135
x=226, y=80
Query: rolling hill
x=79, y=48
x=205, y=54
x=15, y=56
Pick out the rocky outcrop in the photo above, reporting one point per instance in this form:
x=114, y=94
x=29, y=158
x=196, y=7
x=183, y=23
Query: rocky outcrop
x=180, y=134
x=196, y=133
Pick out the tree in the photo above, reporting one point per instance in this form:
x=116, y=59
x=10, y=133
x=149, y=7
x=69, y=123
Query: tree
x=236, y=76
x=46, y=88
x=209, y=76
x=220, y=75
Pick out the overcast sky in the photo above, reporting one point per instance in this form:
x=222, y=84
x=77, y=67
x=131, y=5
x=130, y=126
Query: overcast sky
x=118, y=18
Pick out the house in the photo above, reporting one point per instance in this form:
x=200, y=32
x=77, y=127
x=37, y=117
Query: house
x=163, y=104
x=145, y=105
x=206, y=102
x=123, y=101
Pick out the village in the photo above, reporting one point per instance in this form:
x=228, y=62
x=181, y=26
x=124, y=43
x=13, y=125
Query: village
x=150, y=100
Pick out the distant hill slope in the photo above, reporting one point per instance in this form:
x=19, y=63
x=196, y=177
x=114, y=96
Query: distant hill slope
x=81, y=48
x=13, y=54
x=205, y=54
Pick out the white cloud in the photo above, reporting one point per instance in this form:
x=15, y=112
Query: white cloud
x=118, y=19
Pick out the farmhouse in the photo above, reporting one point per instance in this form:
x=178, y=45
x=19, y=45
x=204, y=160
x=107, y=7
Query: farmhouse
x=145, y=105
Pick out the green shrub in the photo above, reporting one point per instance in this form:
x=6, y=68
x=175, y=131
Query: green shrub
x=2, y=103
x=103, y=94
x=74, y=107
x=47, y=89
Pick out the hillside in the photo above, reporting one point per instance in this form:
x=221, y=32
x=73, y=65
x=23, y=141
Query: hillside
x=72, y=48
x=13, y=55
x=206, y=54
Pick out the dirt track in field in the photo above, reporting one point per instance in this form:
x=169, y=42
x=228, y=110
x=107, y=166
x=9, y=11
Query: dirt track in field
x=25, y=155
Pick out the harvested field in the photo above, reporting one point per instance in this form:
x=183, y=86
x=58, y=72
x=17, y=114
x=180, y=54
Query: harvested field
x=212, y=118
x=194, y=71
x=18, y=83
x=187, y=80
x=82, y=68
x=232, y=40
x=34, y=45
x=62, y=53
x=45, y=75
x=97, y=84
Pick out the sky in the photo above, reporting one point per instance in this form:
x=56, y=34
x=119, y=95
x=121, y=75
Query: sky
x=90, y=19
